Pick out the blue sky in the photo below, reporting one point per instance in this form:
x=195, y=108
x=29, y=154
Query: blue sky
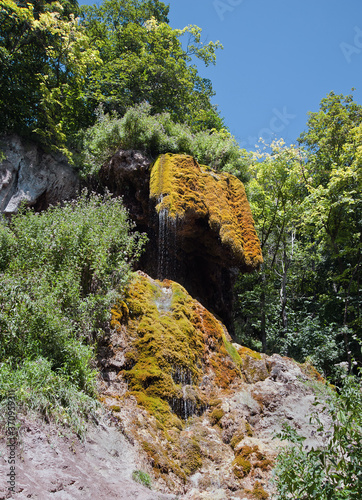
x=280, y=59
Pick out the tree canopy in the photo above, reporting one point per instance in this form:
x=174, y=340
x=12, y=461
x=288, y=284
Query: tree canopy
x=57, y=68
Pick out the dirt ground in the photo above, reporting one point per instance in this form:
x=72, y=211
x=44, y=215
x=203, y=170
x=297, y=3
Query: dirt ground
x=50, y=464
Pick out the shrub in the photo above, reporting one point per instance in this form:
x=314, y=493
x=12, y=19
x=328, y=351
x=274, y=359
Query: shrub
x=38, y=388
x=66, y=268
x=142, y=478
x=154, y=135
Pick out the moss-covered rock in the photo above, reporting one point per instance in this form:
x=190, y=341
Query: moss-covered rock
x=191, y=193
x=241, y=467
x=172, y=343
x=253, y=364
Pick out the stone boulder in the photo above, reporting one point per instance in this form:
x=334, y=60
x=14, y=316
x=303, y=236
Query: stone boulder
x=31, y=175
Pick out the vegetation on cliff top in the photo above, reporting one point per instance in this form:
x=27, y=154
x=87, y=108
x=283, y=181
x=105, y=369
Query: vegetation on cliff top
x=60, y=67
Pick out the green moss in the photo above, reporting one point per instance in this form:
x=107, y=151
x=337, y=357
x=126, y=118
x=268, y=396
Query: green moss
x=161, y=463
x=239, y=436
x=191, y=459
x=233, y=353
x=115, y=408
x=245, y=351
x=166, y=351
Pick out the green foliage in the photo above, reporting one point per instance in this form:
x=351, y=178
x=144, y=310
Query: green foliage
x=7, y=244
x=307, y=339
x=56, y=69
x=142, y=478
x=143, y=60
x=332, y=471
x=307, y=207
x=45, y=58
x=157, y=134
x=333, y=207
x=61, y=271
x=39, y=389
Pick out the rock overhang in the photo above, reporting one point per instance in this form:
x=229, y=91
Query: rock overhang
x=211, y=208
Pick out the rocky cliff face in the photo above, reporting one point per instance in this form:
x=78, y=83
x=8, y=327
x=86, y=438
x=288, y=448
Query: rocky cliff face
x=29, y=174
x=199, y=223
x=202, y=409
x=194, y=410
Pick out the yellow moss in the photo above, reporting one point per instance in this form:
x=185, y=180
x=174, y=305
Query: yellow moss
x=258, y=492
x=241, y=467
x=161, y=463
x=235, y=440
x=249, y=430
x=168, y=350
x=216, y=415
x=245, y=351
x=312, y=372
x=182, y=187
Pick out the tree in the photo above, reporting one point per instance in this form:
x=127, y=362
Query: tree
x=45, y=57
x=333, y=207
x=275, y=192
x=143, y=60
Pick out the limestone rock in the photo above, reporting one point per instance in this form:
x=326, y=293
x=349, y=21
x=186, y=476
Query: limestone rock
x=212, y=209
x=29, y=174
x=203, y=409
x=201, y=234
x=127, y=175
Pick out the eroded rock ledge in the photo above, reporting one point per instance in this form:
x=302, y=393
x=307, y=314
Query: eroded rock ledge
x=200, y=227
x=31, y=175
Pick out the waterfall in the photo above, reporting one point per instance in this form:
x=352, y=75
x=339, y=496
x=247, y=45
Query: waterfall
x=188, y=403
x=167, y=245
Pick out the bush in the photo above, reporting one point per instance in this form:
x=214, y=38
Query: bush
x=38, y=388
x=155, y=135
x=310, y=340
x=333, y=471
x=65, y=269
